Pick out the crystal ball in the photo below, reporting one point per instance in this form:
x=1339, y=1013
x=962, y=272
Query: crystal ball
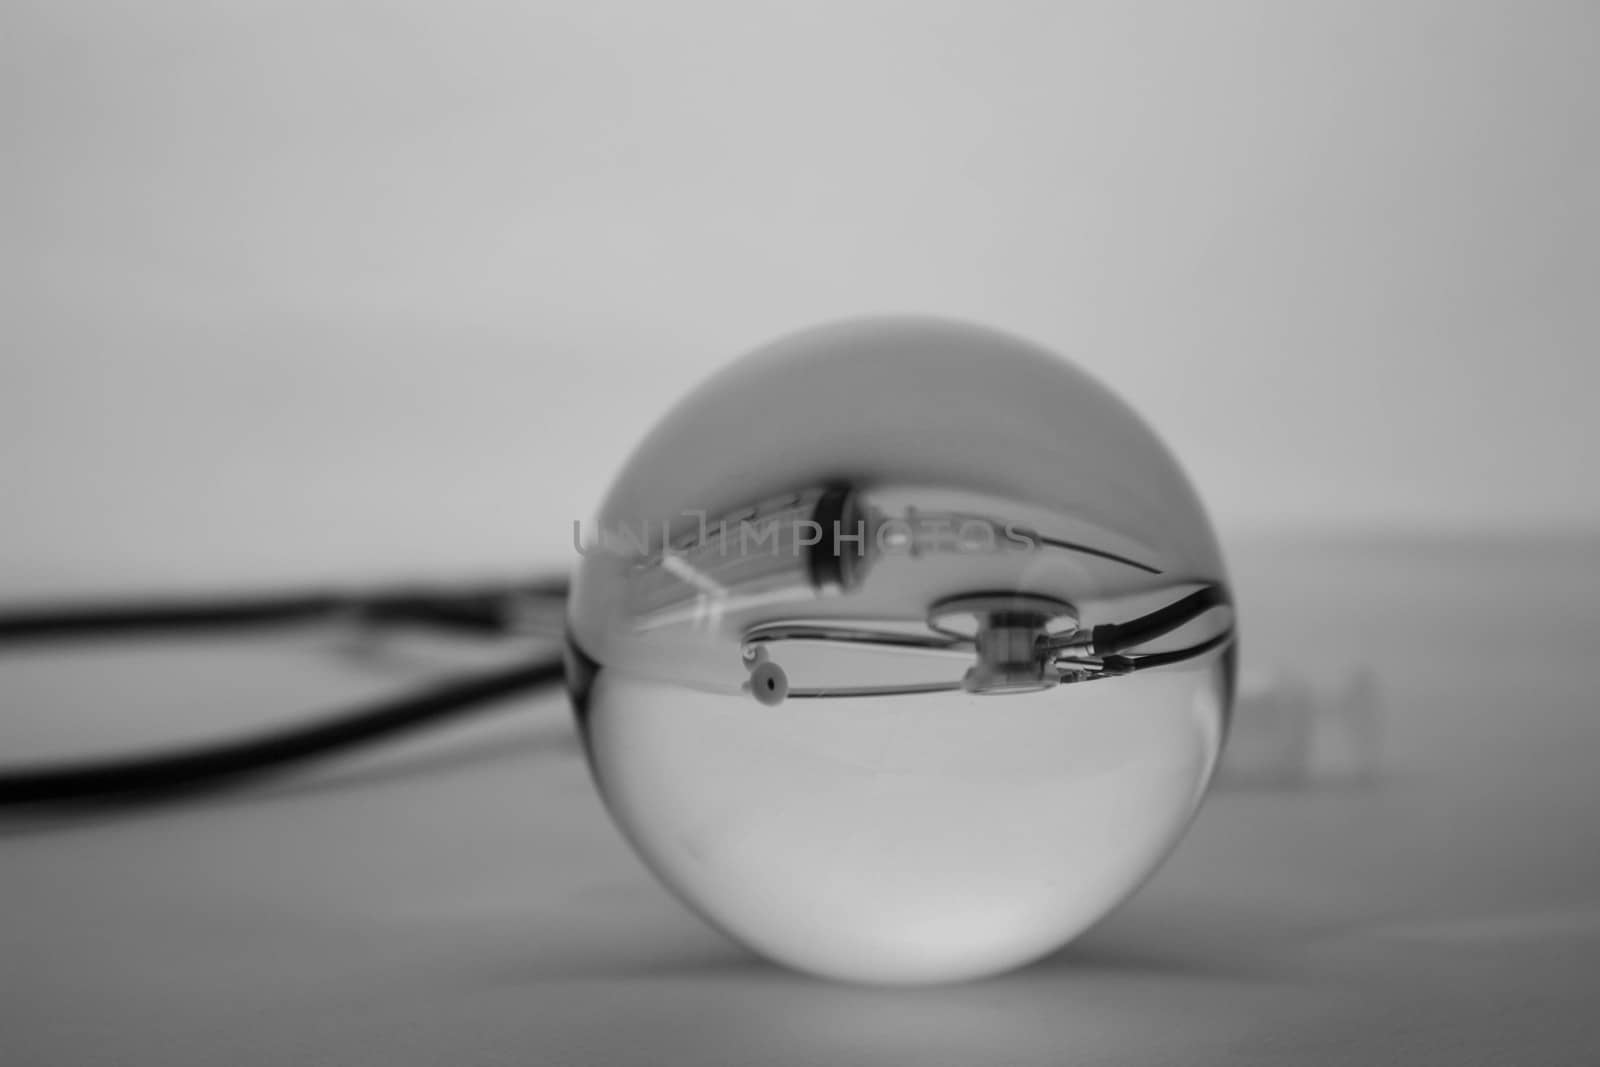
x=902, y=650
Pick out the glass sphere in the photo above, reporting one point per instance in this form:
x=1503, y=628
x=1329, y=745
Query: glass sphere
x=902, y=650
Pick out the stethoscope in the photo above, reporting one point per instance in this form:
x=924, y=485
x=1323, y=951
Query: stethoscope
x=995, y=643
x=495, y=610
x=1021, y=644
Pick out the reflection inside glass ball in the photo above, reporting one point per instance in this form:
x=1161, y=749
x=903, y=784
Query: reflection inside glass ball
x=902, y=651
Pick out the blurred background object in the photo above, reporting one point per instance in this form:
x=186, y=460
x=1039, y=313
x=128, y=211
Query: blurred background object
x=1287, y=733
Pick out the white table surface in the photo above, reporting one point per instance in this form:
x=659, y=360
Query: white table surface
x=464, y=900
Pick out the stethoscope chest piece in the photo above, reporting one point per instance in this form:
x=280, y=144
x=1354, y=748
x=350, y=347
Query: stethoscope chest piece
x=1008, y=631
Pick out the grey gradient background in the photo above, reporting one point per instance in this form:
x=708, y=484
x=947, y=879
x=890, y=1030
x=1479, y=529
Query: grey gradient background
x=344, y=289
x=298, y=291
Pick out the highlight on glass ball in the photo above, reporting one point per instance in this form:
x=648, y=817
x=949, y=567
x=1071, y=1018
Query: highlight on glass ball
x=902, y=650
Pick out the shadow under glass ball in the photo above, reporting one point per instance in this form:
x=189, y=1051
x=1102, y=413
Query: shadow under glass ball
x=908, y=651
